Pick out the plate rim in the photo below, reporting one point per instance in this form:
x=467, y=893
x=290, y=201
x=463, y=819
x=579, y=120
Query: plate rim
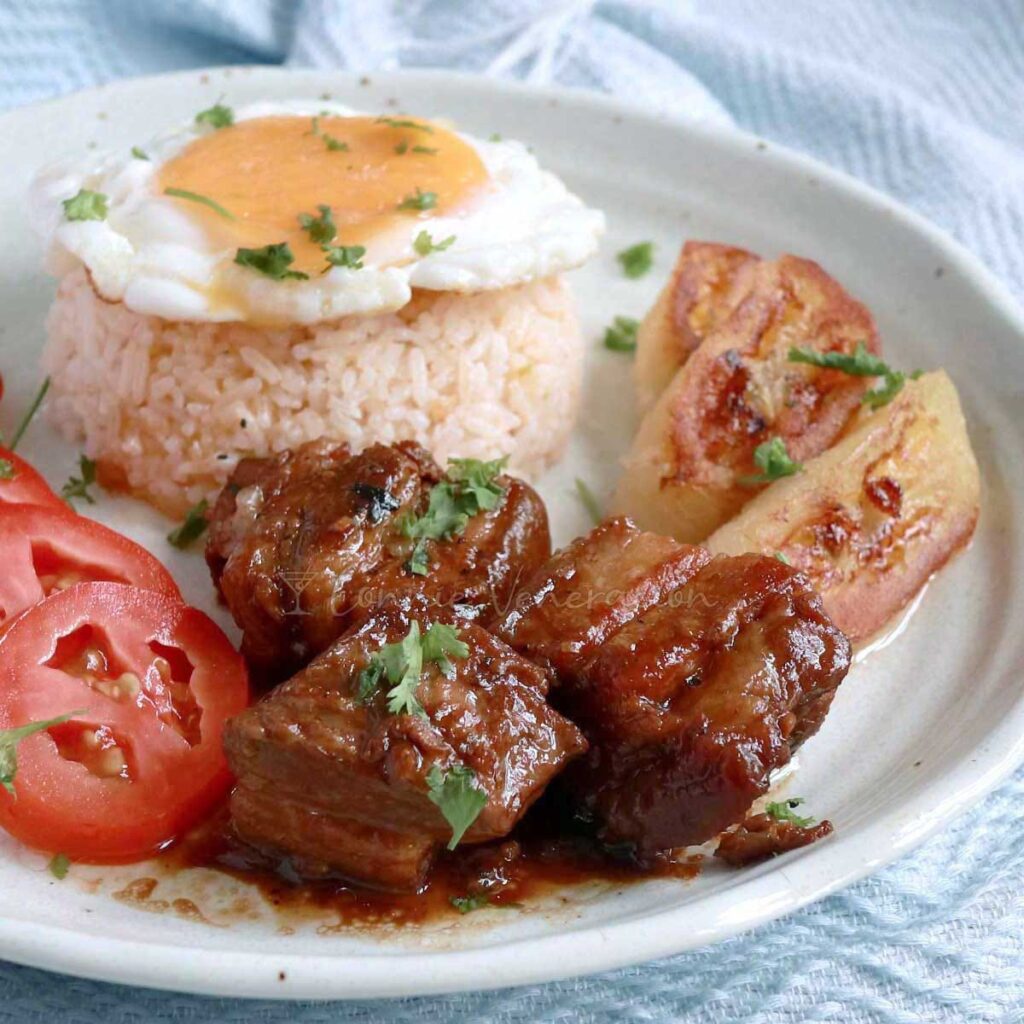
x=566, y=952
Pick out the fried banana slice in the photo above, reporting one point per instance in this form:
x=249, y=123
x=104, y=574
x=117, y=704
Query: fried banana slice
x=692, y=465
x=708, y=282
x=871, y=519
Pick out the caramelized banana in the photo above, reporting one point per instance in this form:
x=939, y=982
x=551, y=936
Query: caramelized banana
x=873, y=517
x=692, y=464
x=708, y=281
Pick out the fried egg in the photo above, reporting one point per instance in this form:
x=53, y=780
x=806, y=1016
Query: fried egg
x=298, y=213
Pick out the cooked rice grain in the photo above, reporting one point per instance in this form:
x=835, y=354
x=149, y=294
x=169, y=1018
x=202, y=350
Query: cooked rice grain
x=159, y=404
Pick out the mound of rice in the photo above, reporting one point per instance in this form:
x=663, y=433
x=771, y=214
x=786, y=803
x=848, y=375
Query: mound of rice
x=168, y=408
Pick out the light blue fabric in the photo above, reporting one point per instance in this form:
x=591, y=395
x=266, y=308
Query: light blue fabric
x=921, y=98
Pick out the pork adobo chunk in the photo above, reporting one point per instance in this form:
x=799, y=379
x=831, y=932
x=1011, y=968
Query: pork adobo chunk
x=590, y=589
x=761, y=837
x=303, y=546
x=693, y=678
x=400, y=738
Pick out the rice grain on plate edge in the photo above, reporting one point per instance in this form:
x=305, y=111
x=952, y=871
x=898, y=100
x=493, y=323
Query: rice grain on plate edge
x=167, y=408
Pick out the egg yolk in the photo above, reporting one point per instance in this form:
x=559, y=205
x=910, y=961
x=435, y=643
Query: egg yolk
x=375, y=174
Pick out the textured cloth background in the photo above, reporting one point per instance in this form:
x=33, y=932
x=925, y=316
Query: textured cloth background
x=921, y=98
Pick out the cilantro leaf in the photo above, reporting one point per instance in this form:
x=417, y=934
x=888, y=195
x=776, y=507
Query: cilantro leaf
x=861, y=363
x=458, y=799
x=321, y=229
x=333, y=144
x=217, y=116
x=7, y=470
x=419, y=561
x=783, y=811
x=467, y=904
x=621, y=335
x=395, y=122
x=192, y=528
x=440, y=643
x=427, y=150
x=774, y=462
x=419, y=200
x=403, y=664
x=9, y=740
x=195, y=197
x=350, y=256
x=891, y=386
x=477, y=478
x=59, y=865
x=589, y=501
x=30, y=413
x=424, y=244
x=86, y=205
x=780, y=557
x=637, y=259
x=139, y=153
x=272, y=260
x=78, y=486
x=369, y=680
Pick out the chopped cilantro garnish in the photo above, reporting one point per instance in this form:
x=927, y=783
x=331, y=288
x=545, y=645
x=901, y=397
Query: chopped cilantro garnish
x=86, y=205
x=139, y=154
x=494, y=137
x=78, y=486
x=774, y=462
x=394, y=122
x=419, y=200
x=780, y=557
x=195, y=197
x=7, y=470
x=30, y=413
x=440, y=644
x=637, y=259
x=350, y=256
x=470, y=487
x=783, y=811
x=192, y=528
x=9, y=740
x=621, y=335
x=402, y=147
x=426, y=150
x=891, y=386
x=459, y=800
x=217, y=116
x=272, y=260
x=589, y=501
x=401, y=663
x=467, y=904
x=861, y=363
x=59, y=866
x=424, y=244
x=322, y=228
x=333, y=144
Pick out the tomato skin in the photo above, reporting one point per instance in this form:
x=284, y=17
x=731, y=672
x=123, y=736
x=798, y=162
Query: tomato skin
x=173, y=781
x=36, y=542
x=25, y=486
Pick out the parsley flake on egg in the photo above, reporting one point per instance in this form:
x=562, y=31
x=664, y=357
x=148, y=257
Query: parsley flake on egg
x=350, y=256
x=772, y=458
x=419, y=200
x=86, y=205
x=321, y=229
x=271, y=260
x=424, y=244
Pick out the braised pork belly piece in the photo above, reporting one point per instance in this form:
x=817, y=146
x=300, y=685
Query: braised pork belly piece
x=303, y=546
x=691, y=696
x=762, y=836
x=399, y=739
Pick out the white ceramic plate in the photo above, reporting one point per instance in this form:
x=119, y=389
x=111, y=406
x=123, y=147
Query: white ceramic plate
x=918, y=732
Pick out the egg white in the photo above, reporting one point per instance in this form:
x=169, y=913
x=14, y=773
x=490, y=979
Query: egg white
x=150, y=254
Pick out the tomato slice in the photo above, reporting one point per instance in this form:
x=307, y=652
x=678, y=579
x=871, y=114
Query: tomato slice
x=43, y=550
x=20, y=483
x=151, y=682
